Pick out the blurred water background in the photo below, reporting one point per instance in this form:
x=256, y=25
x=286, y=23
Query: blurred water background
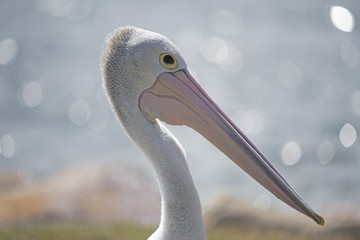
x=286, y=72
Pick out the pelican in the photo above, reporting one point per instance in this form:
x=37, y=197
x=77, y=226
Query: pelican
x=147, y=81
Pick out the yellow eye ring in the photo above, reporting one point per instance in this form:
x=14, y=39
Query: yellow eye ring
x=168, y=61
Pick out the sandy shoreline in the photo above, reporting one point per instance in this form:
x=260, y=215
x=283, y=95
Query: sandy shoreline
x=113, y=193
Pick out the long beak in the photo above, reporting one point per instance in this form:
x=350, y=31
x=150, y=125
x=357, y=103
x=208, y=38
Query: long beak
x=177, y=99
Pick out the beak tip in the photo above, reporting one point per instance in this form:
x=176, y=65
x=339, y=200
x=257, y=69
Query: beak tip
x=320, y=220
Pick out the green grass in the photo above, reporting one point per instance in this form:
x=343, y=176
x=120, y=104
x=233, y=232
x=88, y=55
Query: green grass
x=135, y=232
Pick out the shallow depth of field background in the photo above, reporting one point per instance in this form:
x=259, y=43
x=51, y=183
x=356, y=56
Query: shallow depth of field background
x=286, y=72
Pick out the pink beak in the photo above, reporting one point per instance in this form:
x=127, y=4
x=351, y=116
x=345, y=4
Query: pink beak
x=177, y=99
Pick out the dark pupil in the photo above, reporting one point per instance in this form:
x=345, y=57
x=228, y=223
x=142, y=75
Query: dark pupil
x=168, y=59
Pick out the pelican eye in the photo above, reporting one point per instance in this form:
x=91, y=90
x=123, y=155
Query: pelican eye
x=168, y=61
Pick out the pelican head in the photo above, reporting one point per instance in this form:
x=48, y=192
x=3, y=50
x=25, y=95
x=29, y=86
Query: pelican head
x=146, y=80
x=131, y=63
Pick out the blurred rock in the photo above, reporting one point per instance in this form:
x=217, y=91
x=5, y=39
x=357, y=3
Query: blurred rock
x=100, y=192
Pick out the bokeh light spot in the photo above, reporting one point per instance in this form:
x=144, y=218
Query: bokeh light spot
x=8, y=51
x=214, y=49
x=342, y=18
x=325, y=152
x=32, y=94
x=7, y=144
x=78, y=112
x=291, y=153
x=232, y=61
x=347, y=135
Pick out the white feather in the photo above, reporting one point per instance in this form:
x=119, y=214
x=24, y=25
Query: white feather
x=130, y=65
